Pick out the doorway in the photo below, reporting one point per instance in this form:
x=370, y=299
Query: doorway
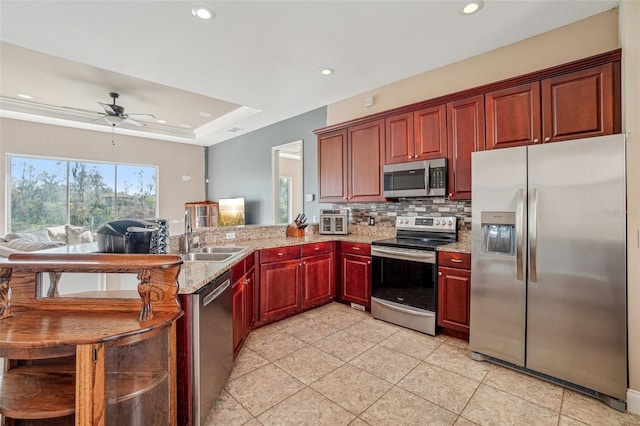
x=287, y=175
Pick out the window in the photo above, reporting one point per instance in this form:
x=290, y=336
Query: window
x=49, y=192
x=284, y=200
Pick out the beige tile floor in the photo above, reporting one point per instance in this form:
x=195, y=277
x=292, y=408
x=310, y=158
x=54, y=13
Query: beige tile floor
x=338, y=366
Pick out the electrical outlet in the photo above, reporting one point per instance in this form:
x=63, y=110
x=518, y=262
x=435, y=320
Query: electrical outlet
x=230, y=235
x=314, y=219
x=196, y=240
x=357, y=306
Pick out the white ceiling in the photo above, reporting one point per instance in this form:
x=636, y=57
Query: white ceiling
x=255, y=64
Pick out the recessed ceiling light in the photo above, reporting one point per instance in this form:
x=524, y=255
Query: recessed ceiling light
x=185, y=126
x=161, y=121
x=203, y=12
x=327, y=71
x=23, y=96
x=472, y=7
x=206, y=114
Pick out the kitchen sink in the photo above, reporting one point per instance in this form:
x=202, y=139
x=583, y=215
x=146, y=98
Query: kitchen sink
x=212, y=254
x=219, y=249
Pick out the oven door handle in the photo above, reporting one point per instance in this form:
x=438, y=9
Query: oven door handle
x=425, y=256
x=406, y=311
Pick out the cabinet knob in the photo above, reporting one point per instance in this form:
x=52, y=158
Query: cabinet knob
x=280, y=254
x=415, y=156
x=368, y=262
x=317, y=248
x=536, y=140
x=547, y=139
x=409, y=157
x=456, y=260
x=439, y=273
x=451, y=194
x=355, y=248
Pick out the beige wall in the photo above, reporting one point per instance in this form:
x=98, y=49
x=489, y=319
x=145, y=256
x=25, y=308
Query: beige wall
x=173, y=159
x=630, y=40
x=576, y=41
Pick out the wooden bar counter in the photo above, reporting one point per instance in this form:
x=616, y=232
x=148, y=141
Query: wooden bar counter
x=91, y=356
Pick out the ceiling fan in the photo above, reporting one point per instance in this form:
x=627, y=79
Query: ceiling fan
x=114, y=113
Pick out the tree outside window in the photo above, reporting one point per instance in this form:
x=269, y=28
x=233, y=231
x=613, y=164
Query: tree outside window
x=284, y=200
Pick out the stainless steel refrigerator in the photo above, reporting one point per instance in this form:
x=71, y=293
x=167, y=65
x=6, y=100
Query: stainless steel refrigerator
x=548, y=276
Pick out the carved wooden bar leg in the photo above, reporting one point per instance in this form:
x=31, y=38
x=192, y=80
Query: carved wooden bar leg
x=5, y=293
x=54, y=279
x=144, y=290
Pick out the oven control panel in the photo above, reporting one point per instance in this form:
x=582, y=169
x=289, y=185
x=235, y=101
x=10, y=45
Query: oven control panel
x=427, y=223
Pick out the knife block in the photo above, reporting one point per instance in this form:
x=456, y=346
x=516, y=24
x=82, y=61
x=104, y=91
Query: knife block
x=294, y=231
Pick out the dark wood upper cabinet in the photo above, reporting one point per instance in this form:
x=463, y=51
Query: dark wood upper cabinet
x=466, y=134
x=400, y=146
x=580, y=99
x=418, y=135
x=579, y=104
x=513, y=116
x=332, y=166
x=430, y=133
x=365, y=158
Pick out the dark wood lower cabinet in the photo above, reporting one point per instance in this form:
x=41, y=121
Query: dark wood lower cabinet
x=318, y=281
x=454, y=292
x=279, y=289
x=242, y=308
x=356, y=279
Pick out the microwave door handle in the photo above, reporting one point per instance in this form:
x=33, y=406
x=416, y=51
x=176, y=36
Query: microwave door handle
x=426, y=179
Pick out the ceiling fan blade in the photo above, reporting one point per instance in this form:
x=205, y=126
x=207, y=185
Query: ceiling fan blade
x=134, y=122
x=142, y=116
x=108, y=108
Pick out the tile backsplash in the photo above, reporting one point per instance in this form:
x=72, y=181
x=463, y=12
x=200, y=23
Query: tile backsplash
x=385, y=214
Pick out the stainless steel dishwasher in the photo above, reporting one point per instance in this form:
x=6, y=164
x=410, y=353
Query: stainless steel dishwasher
x=205, y=349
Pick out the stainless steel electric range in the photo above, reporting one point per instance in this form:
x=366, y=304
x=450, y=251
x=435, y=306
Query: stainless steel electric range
x=404, y=276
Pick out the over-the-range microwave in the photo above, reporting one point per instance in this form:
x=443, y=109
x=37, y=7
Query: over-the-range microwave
x=427, y=178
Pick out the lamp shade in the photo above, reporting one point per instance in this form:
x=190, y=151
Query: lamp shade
x=113, y=119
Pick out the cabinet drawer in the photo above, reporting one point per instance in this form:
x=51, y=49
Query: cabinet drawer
x=279, y=253
x=356, y=248
x=316, y=248
x=454, y=260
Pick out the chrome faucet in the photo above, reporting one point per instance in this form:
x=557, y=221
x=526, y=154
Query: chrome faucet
x=187, y=230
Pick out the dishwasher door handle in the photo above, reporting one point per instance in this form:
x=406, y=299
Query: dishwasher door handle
x=217, y=292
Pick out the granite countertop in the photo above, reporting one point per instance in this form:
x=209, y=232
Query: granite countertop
x=458, y=247
x=195, y=275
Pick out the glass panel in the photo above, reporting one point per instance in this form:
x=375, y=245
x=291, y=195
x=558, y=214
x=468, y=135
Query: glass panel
x=91, y=192
x=284, y=200
x=137, y=382
x=136, y=192
x=87, y=285
x=38, y=195
x=405, y=282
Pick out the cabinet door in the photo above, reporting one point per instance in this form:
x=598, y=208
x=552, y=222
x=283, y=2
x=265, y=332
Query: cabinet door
x=279, y=289
x=465, y=134
x=249, y=300
x=513, y=116
x=332, y=166
x=454, y=290
x=366, y=157
x=579, y=104
x=399, y=143
x=356, y=279
x=238, y=314
x=430, y=133
x=317, y=280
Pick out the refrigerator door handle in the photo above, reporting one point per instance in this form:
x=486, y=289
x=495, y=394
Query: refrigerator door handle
x=520, y=235
x=533, y=234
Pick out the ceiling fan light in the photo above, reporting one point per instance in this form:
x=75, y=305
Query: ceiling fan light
x=472, y=7
x=114, y=120
x=203, y=12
